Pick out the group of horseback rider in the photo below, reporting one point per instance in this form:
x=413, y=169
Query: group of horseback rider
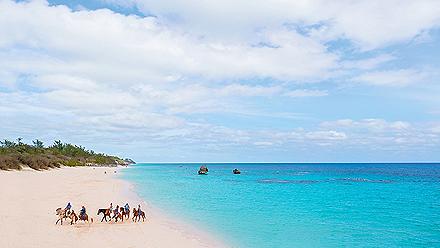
x=68, y=212
x=113, y=213
x=126, y=208
x=82, y=212
x=118, y=213
x=116, y=210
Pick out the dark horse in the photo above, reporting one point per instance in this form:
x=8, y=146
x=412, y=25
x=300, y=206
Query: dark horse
x=106, y=212
x=137, y=215
x=117, y=215
x=73, y=218
x=124, y=213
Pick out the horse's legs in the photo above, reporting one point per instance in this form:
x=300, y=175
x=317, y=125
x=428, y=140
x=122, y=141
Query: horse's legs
x=104, y=217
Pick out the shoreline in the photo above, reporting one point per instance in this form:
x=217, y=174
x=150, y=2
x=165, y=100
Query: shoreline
x=30, y=198
x=166, y=219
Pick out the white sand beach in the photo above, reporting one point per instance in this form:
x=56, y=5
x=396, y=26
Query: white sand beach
x=29, y=199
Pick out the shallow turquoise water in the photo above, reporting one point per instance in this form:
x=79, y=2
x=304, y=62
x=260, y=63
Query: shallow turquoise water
x=301, y=205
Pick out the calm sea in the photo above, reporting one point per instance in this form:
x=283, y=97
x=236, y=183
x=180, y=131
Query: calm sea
x=301, y=205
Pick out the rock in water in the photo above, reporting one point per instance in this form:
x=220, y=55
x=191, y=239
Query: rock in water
x=203, y=170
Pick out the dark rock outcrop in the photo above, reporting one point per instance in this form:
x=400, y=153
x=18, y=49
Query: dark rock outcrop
x=203, y=170
x=129, y=161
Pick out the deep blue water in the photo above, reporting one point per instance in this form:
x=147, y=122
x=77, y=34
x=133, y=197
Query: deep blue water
x=301, y=205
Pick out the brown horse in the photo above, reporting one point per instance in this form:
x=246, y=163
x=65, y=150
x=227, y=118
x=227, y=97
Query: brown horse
x=137, y=216
x=117, y=215
x=125, y=213
x=73, y=218
x=85, y=217
x=106, y=212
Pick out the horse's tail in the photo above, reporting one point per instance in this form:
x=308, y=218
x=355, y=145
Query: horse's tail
x=91, y=219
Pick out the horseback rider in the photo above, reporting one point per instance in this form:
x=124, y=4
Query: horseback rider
x=139, y=209
x=68, y=207
x=82, y=212
x=127, y=207
x=111, y=207
x=116, y=211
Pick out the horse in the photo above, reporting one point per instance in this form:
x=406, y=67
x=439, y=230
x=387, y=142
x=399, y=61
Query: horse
x=62, y=214
x=137, y=216
x=106, y=212
x=125, y=213
x=85, y=217
x=117, y=215
x=73, y=217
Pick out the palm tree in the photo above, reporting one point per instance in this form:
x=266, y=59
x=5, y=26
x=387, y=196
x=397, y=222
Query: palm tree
x=57, y=144
x=7, y=143
x=38, y=144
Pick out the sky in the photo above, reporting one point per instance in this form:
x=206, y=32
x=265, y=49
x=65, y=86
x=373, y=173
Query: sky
x=225, y=81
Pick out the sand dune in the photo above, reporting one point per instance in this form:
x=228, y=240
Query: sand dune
x=29, y=199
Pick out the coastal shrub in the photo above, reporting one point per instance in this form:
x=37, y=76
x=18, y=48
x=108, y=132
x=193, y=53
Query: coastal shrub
x=8, y=162
x=36, y=162
x=72, y=163
x=15, y=154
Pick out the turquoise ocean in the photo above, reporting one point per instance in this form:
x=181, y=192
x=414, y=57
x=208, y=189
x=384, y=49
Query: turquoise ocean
x=300, y=205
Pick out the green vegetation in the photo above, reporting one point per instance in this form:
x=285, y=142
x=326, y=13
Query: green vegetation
x=15, y=155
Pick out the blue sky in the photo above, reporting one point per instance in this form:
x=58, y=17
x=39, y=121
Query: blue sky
x=263, y=81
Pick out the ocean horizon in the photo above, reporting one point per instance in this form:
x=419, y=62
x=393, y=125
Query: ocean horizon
x=300, y=204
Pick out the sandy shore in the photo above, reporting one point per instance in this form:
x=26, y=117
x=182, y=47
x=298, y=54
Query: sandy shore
x=29, y=199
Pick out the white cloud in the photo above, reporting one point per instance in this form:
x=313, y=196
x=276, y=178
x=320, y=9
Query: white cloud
x=90, y=63
x=306, y=93
x=396, y=78
x=326, y=135
x=102, y=45
x=370, y=124
x=105, y=76
x=380, y=134
x=246, y=90
x=436, y=129
x=369, y=24
x=263, y=143
x=368, y=63
x=100, y=61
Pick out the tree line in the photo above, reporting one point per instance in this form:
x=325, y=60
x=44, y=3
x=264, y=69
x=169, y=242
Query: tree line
x=17, y=154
